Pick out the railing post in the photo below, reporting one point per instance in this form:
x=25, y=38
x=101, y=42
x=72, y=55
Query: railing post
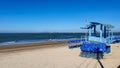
x=100, y=35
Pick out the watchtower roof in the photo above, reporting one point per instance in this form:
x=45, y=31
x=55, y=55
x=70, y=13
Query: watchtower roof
x=92, y=24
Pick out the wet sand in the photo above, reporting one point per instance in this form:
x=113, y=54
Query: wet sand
x=17, y=47
x=54, y=55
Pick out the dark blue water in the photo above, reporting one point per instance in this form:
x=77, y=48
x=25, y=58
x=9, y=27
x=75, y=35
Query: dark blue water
x=13, y=38
x=21, y=38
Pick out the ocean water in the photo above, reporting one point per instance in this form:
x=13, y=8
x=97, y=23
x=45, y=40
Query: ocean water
x=21, y=38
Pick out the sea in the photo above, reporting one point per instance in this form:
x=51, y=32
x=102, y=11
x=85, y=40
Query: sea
x=23, y=38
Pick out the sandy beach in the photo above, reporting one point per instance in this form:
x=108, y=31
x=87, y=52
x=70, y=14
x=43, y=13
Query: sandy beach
x=53, y=55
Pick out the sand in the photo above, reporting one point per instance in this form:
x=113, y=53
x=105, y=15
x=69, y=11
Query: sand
x=112, y=60
x=55, y=56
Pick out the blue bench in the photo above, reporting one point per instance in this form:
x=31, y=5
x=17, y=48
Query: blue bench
x=74, y=43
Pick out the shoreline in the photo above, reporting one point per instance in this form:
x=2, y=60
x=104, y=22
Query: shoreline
x=15, y=42
x=34, y=45
x=26, y=46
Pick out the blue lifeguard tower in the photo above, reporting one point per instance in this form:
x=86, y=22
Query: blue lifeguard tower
x=98, y=38
x=101, y=34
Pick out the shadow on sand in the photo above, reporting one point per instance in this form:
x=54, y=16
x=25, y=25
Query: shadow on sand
x=93, y=55
x=96, y=56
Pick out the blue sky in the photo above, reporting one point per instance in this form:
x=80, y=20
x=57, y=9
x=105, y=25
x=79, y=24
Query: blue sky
x=56, y=15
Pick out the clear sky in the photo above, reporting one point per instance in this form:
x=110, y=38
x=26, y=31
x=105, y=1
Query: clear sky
x=56, y=15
